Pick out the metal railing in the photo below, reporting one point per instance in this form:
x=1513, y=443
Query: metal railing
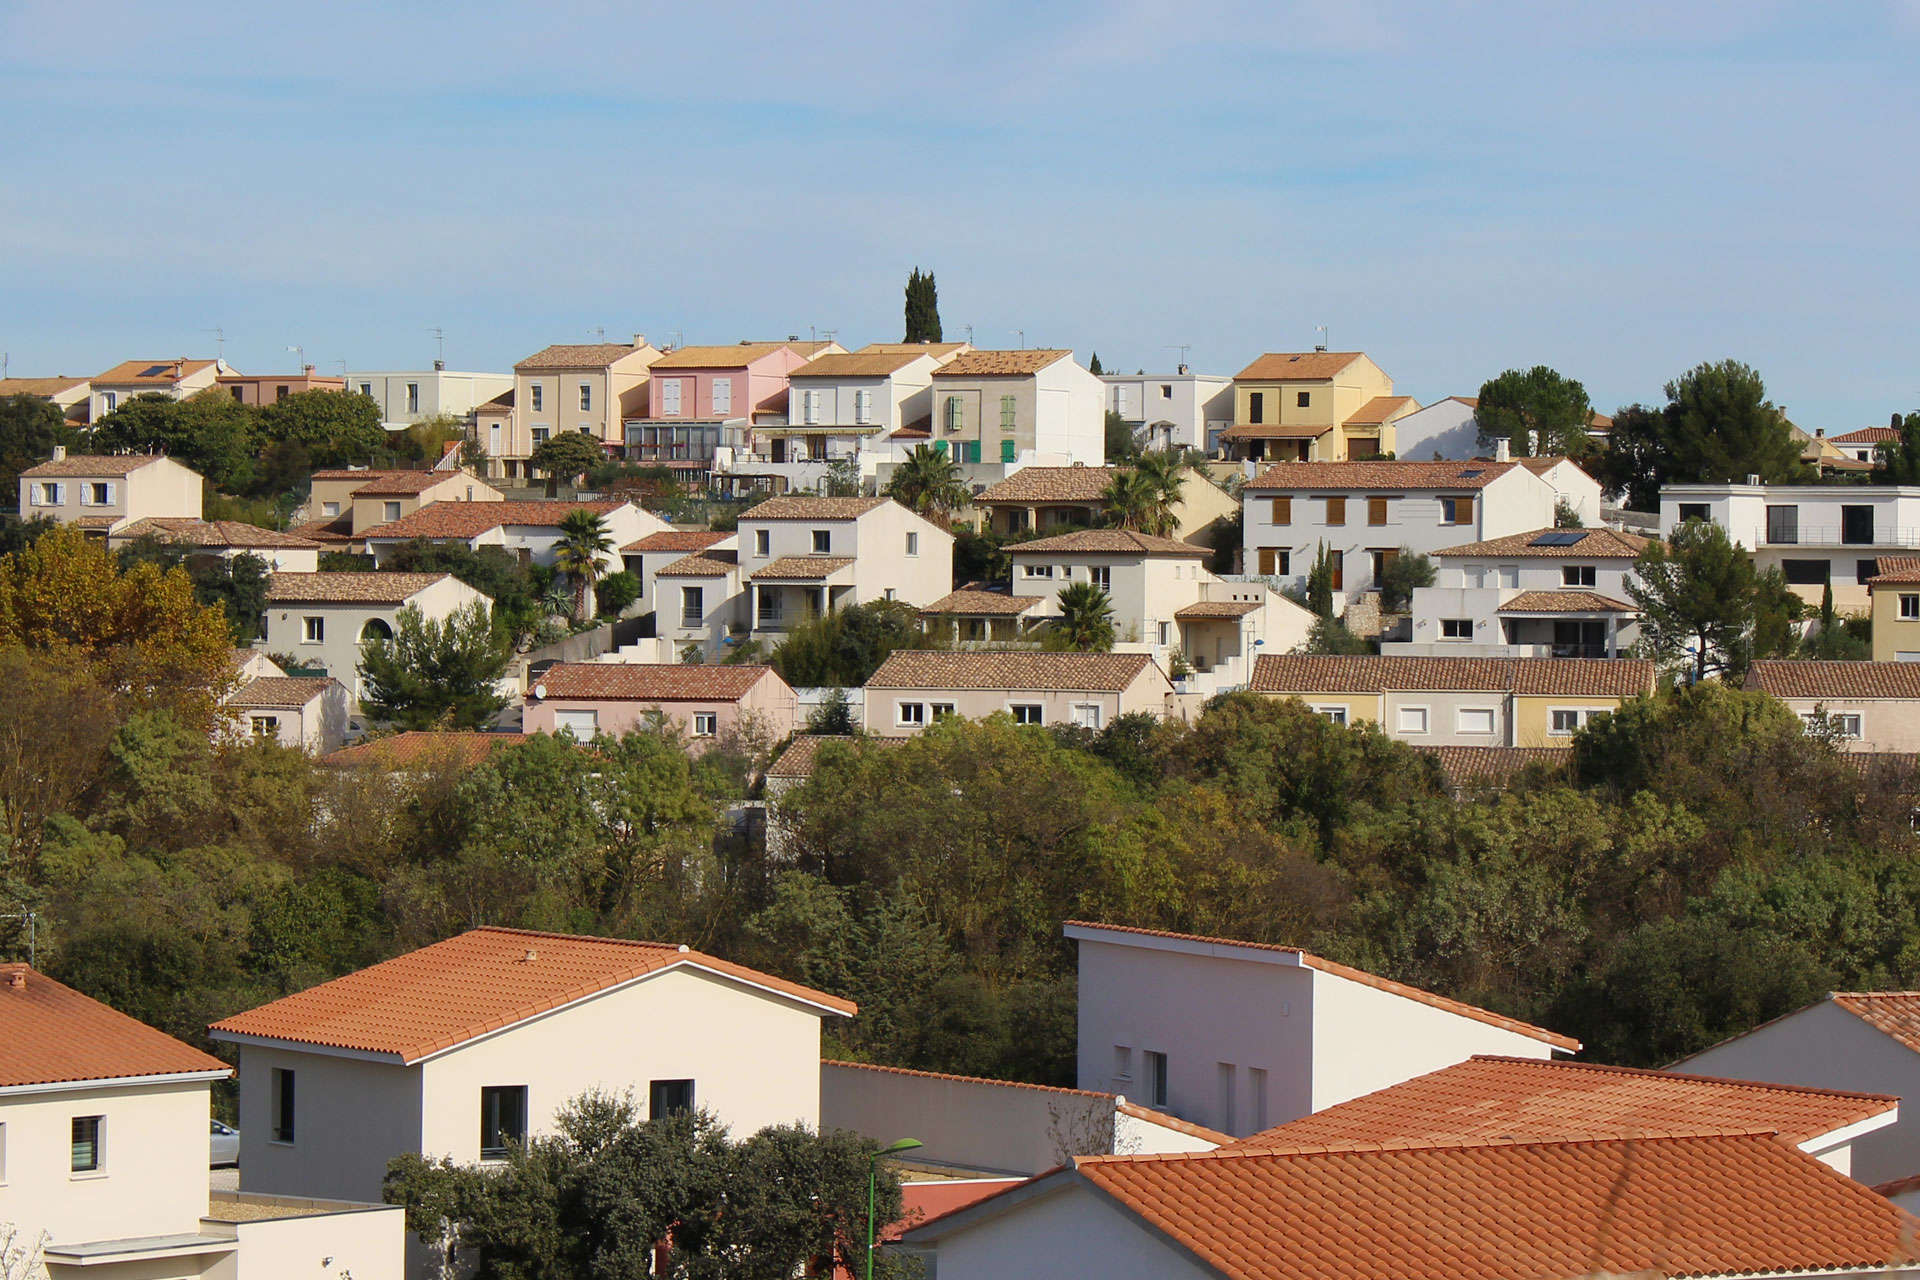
x=1834, y=535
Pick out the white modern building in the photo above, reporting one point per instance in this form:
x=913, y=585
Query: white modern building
x=842, y=406
x=1179, y=410
x=1448, y=429
x=1814, y=534
x=413, y=395
x=800, y=557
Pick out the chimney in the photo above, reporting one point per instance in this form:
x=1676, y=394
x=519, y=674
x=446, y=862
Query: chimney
x=530, y=957
x=1184, y=370
x=1819, y=433
x=59, y=453
x=1753, y=479
x=308, y=370
x=19, y=980
x=639, y=341
x=1502, y=452
x=439, y=366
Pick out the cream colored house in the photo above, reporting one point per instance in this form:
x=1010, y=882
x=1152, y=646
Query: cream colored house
x=1867, y=706
x=175, y=379
x=307, y=713
x=801, y=557
x=69, y=395
x=394, y=495
x=1037, y=499
x=226, y=539
x=698, y=603
x=324, y=619
x=913, y=688
x=995, y=411
x=104, y=1124
x=1314, y=406
x=591, y=387
x=1460, y=702
x=1893, y=596
x=102, y=493
x=407, y=396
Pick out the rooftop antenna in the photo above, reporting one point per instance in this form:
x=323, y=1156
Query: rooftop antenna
x=220, y=342
x=1023, y=338
x=969, y=329
x=343, y=369
x=600, y=332
x=301, y=352
x=1322, y=331
x=440, y=345
x=1182, y=348
x=679, y=338
x=828, y=334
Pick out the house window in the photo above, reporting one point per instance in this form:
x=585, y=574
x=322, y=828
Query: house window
x=1006, y=413
x=279, y=393
x=762, y=543
x=265, y=726
x=110, y=399
x=313, y=630
x=1025, y=712
x=1695, y=511
x=48, y=494
x=1577, y=575
x=366, y=389
x=1783, y=524
x=329, y=509
x=98, y=494
x=706, y=724
x=1842, y=724
x=535, y=392
x=1336, y=510
x=939, y=709
x=282, y=1103
x=413, y=397
x=1456, y=510
x=1086, y=714
x=1122, y=1064
x=1165, y=633
x=581, y=724
x=88, y=1152
x=1805, y=573
x=1864, y=571
x=810, y=406
x=1037, y=570
x=1562, y=721
x=692, y=608
x=822, y=541
x=1909, y=607
x=723, y=396
x=952, y=413
x=669, y=398
x=1856, y=524
x=909, y=715
x=913, y=543
x=1338, y=715
x=1101, y=576
x=1283, y=509
x=1154, y=1064
x=1275, y=562
x=1456, y=628
x=863, y=406
x=540, y=435
x=1411, y=720
x=1256, y=407
x=669, y=1098
x=503, y=1119
x=390, y=511
x=1376, y=510
x=1475, y=720
x=493, y=437
x=1166, y=391
x=1338, y=561
x=1510, y=576
x=3, y=1155
x=586, y=397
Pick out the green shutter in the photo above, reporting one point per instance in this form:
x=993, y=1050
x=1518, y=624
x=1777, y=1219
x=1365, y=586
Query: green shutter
x=1006, y=451
x=940, y=447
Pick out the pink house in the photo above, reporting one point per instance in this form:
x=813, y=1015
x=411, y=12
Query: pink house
x=702, y=398
x=704, y=702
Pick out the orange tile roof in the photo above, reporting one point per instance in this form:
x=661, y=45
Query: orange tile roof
x=334, y=529
x=1335, y=969
x=1028, y=669
x=349, y=588
x=717, y=565
x=1337, y=476
x=1707, y=1206
x=1274, y=431
x=484, y=980
x=1866, y=435
x=1895, y=571
x=131, y=373
x=928, y=348
x=1297, y=366
x=1110, y=541
x=577, y=355
x=215, y=533
x=1495, y=1099
x=471, y=519
x=976, y=603
x=420, y=746
x=1563, y=601
x=279, y=691
x=676, y=540
x=93, y=464
x=44, y=388
x=802, y=755
x=1380, y=410
x=1787, y=678
x=1594, y=544
x=800, y=569
x=651, y=681
x=813, y=508
x=1001, y=364
x=1218, y=609
x=719, y=357
x=51, y=1034
x=1491, y=766
x=394, y=484
x=1897, y=1013
x=1564, y=677
x=1050, y=484
x=857, y=364
x=1168, y=1121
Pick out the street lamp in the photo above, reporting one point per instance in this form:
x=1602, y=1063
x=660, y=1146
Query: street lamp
x=873, y=1162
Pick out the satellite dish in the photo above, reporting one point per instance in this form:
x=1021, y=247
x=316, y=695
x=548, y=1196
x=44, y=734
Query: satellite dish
x=540, y=691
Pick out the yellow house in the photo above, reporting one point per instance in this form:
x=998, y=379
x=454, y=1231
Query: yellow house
x=1313, y=406
x=1895, y=596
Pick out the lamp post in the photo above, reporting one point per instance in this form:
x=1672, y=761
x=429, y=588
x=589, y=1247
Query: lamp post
x=873, y=1162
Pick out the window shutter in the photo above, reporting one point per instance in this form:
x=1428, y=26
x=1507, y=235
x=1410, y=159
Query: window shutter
x=1283, y=509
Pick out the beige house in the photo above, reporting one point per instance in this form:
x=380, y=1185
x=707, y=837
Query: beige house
x=646, y=557
x=106, y=1123
x=69, y=395
x=394, y=495
x=974, y=615
x=175, y=379
x=1867, y=706
x=1893, y=597
x=307, y=713
x=591, y=387
x=1314, y=406
x=913, y=688
x=324, y=619
x=801, y=557
x=530, y=530
x=1465, y=702
x=698, y=603
x=226, y=539
x=994, y=411
x=1042, y=498
x=101, y=493
x=704, y=704
x=272, y=388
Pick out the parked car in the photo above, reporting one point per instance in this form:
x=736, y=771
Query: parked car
x=224, y=1145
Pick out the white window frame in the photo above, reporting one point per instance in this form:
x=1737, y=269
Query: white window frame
x=706, y=724
x=1458, y=622
x=534, y=397
x=1578, y=575
x=1580, y=717
x=1460, y=720
x=1086, y=715
x=762, y=543
x=586, y=397
x=1336, y=712
x=909, y=715
x=913, y=544
x=540, y=434
x=810, y=407
x=98, y=1169
x=695, y=596
x=863, y=406
x=329, y=509
x=1407, y=728
x=569, y=720
x=1839, y=720
x=110, y=399
x=937, y=709
x=722, y=396
x=413, y=397
x=390, y=511
x=822, y=542
x=1032, y=570
x=1909, y=606
x=313, y=628
x=1018, y=709
x=1101, y=576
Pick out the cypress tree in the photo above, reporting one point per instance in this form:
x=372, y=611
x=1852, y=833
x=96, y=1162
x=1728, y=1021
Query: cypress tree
x=923, y=307
x=1093, y=366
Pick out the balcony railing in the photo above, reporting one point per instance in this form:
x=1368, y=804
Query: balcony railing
x=1833, y=535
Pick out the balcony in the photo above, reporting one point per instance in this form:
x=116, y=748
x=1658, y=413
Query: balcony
x=1834, y=535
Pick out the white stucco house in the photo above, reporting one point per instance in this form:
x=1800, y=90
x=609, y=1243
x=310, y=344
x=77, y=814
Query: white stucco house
x=1179, y=410
x=1814, y=534
x=1241, y=1036
x=307, y=713
x=915, y=687
x=528, y=529
x=1447, y=429
x=407, y=396
x=227, y=539
x=997, y=411
x=103, y=1138
x=800, y=557
x=324, y=619
x=842, y=405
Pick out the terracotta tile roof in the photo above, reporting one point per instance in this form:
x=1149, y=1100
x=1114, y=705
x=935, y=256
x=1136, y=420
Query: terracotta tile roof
x=1866, y=435
x=942, y=1075
x=975, y=603
x=471, y=519
x=1109, y=541
x=1566, y=602
x=486, y=979
x=676, y=540
x=419, y=746
x=45, y=388
x=1897, y=1013
x=1495, y=1099
x=813, y=508
x=1001, y=364
x=500, y=404
x=651, y=681
x=1565, y=677
x=576, y=355
x=131, y=373
x=216, y=533
x=1702, y=1206
x=93, y=464
x=918, y=431
x=1380, y=410
x=1785, y=678
x=935, y=349
x=51, y=1034
x=1594, y=544
x=335, y=530
x=1491, y=766
x=1273, y=431
x=1351, y=974
x=393, y=484
x=1379, y=475
x=857, y=364
x=349, y=588
x=1078, y=672
x=1895, y=571
x=1218, y=609
x=717, y=565
x=1297, y=366
x=1050, y=484
x=1168, y=1121
x=279, y=691
x=800, y=569
x=358, y=473
x=802, y=755
x=721, y=357
x=1899, y=1186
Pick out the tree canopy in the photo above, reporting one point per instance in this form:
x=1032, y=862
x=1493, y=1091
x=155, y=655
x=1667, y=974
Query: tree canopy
x=928, y=483
x=332, y=427
x=923, y=307
x=436, y=671
x=566, y=455
x=1721, y=426
x=1701, y=600
x=1536, y=411
x=30, y=427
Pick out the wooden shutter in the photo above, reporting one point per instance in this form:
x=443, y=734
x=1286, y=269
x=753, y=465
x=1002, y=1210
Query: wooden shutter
x=1337, y=510
x=1283, y=509
x=1376, y=510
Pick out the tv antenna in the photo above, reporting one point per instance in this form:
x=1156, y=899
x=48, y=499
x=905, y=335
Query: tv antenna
x=1182, y=348
x=1023, y=338
x=220, y=342
x=1324, y=337
x=600, y=332
x=969, y=329
x=828, y=334
x=440, y=342
x=300, y=352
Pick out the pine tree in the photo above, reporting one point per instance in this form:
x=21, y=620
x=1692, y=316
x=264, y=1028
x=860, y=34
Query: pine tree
x=923, y=307
x=1093, y=366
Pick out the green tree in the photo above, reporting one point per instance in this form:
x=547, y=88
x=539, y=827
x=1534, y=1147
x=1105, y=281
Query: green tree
x=1404, y=574
x=834, y=715
x=434, y=671
x=1536, y=411
x=1320, y=583
x=1131, y=500
x=923, y=307
x=1721, y=426
x=1637, y=460
x=211, y=432
x=615, y=592
x=29, y=429
x=1093, y=365
x=1330, y=635
x=1166, y=471
x=1086, y=619
x=842, y=648
x=566, y=455
x=928, y=483
x=1122, y=446
x=581, y=553
x=1899, y=458
x=1697, y=596
x=332, y=426
x=1565, y=516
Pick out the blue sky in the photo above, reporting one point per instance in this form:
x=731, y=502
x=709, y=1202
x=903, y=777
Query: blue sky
x=1618, y=190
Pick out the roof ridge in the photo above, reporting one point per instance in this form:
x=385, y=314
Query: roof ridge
x=1240, y=1151
x=952, y=1075
x=1664, y=1073
x=583, y=937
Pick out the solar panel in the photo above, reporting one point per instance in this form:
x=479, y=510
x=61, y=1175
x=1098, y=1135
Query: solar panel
x=1559, y=538
x=1468, y=475
x=154, y=370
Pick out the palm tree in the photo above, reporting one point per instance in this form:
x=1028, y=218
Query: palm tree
x=1132, y=501
x=1086, y=618
x=1166, y=470
x=928, y=483
x=583, y=541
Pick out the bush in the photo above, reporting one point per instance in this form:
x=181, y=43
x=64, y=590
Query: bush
x=1402, y=575
x=615, y=592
